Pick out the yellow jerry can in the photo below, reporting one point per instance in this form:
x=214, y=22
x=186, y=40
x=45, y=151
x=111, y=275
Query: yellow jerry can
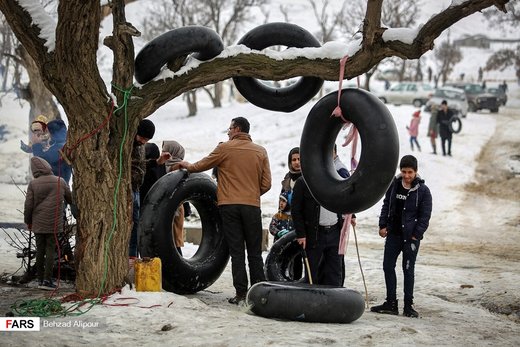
x=148, y=275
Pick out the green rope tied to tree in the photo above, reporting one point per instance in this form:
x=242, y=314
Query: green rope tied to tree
x=49, y=307
x=126, y=96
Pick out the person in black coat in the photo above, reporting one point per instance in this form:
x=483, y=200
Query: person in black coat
x=155, y=169
x=404, y=218
x=443, y=119
x=318, y=232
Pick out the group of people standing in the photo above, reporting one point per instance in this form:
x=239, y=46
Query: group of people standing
x=148, y=165
x=244, y=175
x=47, y=194
x=439, y=125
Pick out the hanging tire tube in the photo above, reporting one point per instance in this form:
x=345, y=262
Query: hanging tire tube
x=173, y=44
x=286, y=99
x=279, y=263
x=455, y=125
x=181, y=275
x=379, y=151
x=305, y=302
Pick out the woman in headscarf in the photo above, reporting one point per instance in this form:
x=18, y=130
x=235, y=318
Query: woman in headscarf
x=293, y=162
x=177, y=155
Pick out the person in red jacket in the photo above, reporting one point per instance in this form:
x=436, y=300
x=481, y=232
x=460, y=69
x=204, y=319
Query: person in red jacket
x=243, y=176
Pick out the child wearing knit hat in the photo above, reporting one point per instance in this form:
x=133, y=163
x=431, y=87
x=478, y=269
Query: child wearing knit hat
x=281, y=223
x=39, y=134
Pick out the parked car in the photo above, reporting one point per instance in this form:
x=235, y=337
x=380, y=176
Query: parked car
x=413, y=93
x=499, y=93
x=455, y=97
x=478, y=98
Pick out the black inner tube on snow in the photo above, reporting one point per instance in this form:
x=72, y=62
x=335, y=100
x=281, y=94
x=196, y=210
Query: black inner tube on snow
x=379, y=151
x=455, y=125
x=286, y=99
x=305, y=302
x=173, y=44
x=280, y=261
x=180, y=275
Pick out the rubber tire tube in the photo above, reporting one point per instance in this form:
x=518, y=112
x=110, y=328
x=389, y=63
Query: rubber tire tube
x=305, y=302
x=180, y=275
x=173, y=44
x=281, y=257
x=286, y=99
x=379, y=151
x=458, y=127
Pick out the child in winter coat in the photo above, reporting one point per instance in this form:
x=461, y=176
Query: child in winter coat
x=39, y=134
x=413, y=129
x=43, y=214
x=282, y=222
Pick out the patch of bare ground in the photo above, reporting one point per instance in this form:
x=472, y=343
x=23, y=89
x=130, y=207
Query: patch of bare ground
x=492, y=208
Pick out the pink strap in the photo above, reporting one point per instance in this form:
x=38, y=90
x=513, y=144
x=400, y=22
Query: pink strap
x=353, y=161
x=337, y=111
x=344, y=235
x=353, y=133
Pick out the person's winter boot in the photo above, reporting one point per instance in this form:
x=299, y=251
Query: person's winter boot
x=47, y=285
x=409, y=311
x=238, y=299
x=388, y=307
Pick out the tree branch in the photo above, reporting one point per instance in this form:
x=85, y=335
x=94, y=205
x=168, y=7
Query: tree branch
x=21, y=22
x=155, y=94
x=372, y=23
x=123, y=48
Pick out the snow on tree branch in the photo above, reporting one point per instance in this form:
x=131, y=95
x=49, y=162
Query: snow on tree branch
x=42, y=20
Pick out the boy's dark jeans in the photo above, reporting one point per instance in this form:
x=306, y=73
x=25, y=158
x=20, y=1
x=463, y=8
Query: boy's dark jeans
x=393, y=247
x=45, y=253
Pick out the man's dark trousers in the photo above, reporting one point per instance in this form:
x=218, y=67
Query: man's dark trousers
x=242, y=225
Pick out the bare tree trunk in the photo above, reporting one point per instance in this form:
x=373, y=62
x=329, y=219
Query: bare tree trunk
x=39, y=97
x=191, y=101
x=369, y=75
x=102, y=239
x=216, y=97
x=402, y=71
x=418, y=71
x=217, y=102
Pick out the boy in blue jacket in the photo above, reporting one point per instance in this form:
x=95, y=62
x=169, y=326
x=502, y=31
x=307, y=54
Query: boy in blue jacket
x=404, y=218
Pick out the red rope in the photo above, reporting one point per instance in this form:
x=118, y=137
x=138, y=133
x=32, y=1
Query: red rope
x=58, y=197
x=129, y=304
x=105, y=122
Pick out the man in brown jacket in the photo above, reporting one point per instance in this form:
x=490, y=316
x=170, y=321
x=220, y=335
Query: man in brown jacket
x=243, y=176
x=43, y=214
